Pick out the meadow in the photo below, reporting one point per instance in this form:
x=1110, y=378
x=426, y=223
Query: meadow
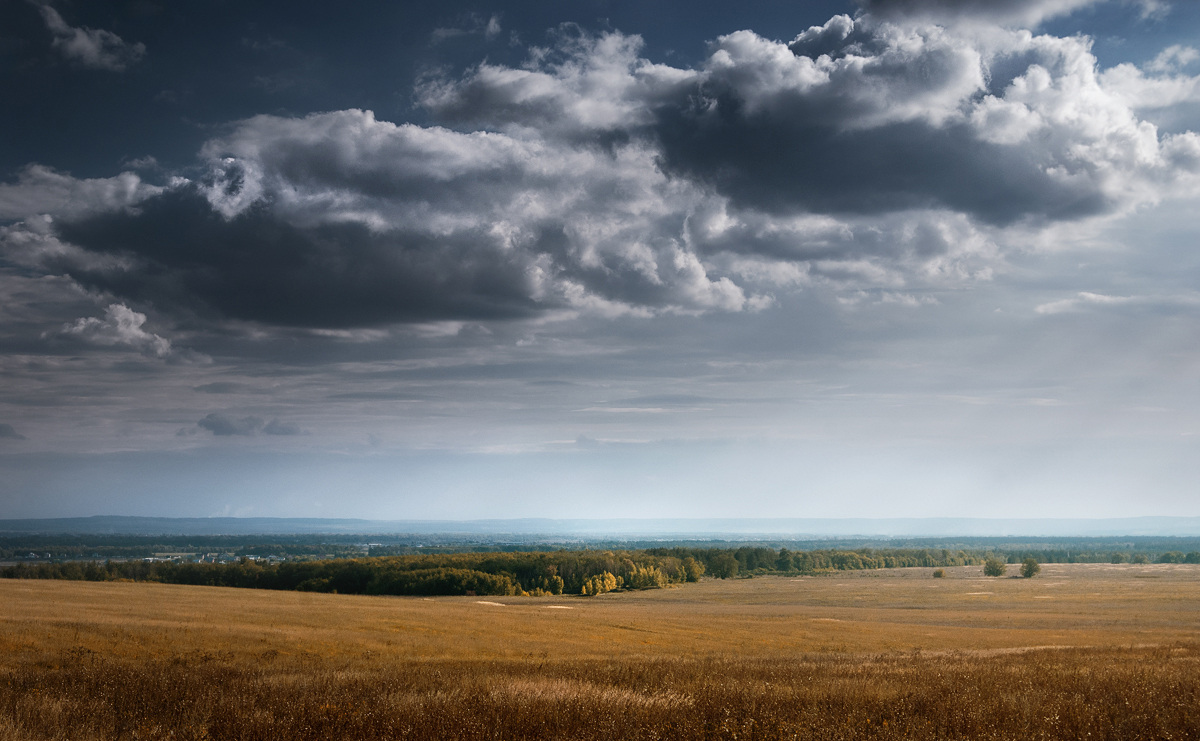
x=1081, y=651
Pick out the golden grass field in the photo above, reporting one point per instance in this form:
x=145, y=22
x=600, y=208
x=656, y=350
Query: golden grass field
x=1080, y=651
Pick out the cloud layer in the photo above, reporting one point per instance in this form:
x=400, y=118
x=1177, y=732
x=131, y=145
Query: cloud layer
x=923, y=249
x=877, y=153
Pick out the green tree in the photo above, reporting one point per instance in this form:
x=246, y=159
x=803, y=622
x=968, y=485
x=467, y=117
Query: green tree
x=724, y=566
x=994, y=567
x=784, y=561
x=1030, y=568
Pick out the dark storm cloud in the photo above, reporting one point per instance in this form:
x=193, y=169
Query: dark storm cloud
x=777, y=164
x=8, y=433
x=863, y=119
x=258, y=267
x=339, y=220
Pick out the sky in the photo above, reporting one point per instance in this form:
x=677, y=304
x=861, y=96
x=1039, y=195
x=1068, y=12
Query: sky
x=600, y=259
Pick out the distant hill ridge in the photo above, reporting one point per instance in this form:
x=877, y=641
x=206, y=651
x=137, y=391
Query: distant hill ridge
x=642, y=528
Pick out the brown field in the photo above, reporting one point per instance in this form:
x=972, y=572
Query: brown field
x=1081, y=651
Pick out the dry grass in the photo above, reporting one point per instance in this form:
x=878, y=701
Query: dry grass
x=1113, y=652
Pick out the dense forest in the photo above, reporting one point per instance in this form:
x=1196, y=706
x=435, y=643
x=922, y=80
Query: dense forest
x=532, y=573
x=587, y=572
x=528, y=573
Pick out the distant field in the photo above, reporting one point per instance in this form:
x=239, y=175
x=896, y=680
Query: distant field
x=1113, y=651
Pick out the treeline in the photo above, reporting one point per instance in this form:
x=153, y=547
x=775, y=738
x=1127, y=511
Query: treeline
x=571, y=572
x=530, y=573
x=748, y=560
x=535, y=573
x=1060, y=556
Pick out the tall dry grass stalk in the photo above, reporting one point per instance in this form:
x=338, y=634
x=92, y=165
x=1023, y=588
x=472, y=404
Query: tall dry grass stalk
x=1118, y=694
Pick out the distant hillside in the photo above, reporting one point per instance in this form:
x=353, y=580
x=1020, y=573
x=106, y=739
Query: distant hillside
x=617, y=528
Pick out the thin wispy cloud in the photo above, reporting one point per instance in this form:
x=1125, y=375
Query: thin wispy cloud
x=90, y=47
x=1086, y=300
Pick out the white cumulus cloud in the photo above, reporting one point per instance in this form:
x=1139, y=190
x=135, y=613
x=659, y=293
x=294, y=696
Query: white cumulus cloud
x=120, y=326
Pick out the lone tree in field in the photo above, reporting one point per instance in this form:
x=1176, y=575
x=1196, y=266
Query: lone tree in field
x=994, y=567
x=1030, y=568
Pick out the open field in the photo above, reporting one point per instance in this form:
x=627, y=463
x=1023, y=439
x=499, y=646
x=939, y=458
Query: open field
x=1111, y=651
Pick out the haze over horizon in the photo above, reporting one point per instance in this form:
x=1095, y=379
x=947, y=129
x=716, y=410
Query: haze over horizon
x=884, y=258
x=941, y=530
